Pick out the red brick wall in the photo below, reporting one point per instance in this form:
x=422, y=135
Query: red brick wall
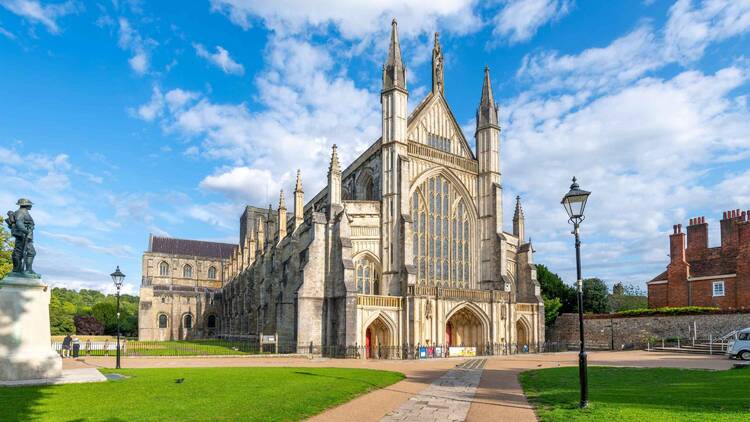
x=657, y=295
x=702, y=294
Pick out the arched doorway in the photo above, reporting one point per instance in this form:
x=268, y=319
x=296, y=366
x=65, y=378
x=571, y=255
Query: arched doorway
x=377, y=340
x=464, y=328
x=522, y=335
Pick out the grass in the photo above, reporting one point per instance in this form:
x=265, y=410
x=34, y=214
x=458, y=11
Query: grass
x=637, y=394
x=215, y=394
x=177, y=348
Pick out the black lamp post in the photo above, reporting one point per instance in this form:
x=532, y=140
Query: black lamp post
x=117, y=278
x=574, y=202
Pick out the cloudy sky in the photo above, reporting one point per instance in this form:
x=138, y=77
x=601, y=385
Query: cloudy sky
x=124, y=118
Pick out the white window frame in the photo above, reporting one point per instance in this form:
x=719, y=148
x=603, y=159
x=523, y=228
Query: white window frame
x=716, y=284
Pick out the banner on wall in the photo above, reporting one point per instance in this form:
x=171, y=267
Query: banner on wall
x=462, y=351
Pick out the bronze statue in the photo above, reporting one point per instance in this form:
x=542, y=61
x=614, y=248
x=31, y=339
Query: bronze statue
x=22, y=228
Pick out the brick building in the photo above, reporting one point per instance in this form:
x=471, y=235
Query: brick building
x=701, y=276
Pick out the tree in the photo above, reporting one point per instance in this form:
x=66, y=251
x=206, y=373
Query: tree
x=558, y=296
x=88, y=325
x=60, y=322
x=627, y=297
x=595, y=296
x=551, y=310
x=6, y=250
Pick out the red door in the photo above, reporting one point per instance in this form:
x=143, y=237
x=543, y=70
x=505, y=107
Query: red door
x=367, y=344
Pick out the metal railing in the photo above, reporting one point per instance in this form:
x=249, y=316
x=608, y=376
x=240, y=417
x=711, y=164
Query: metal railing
x=251, y=346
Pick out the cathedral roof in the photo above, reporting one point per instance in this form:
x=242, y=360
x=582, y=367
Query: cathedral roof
x=173, y=246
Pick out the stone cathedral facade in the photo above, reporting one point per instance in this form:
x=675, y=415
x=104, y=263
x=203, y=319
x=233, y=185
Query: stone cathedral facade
x=404, y=247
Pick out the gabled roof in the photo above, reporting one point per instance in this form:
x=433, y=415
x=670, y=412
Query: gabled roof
x=414, y=117
x=170, y=245
x=660, y=277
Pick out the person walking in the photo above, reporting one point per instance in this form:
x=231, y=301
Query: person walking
x=66, y=346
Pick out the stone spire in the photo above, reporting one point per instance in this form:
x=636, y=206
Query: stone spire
x=299, y=201
x=394, y=72
x=487, y=111
x=261, y=236
x=334, y=182
x=270, y=230
x=282, y=215
x=438, y=85
x=518, y=221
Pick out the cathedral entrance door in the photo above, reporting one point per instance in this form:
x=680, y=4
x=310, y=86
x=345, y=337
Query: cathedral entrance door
x=377, y=339
x=465, y=329
x=368, y=339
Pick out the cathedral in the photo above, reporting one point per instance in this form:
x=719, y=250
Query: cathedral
x=403, y=248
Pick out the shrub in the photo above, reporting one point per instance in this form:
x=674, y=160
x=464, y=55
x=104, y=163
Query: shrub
x=667, y=311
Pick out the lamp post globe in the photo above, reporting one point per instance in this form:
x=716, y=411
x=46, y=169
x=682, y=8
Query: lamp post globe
x=118, y=277
x=574, y=203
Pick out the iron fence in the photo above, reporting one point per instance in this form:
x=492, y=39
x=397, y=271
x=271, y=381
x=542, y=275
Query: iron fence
x=251, y=346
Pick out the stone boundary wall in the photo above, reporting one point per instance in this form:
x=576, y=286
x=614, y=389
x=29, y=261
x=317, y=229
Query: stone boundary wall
x=635, y=332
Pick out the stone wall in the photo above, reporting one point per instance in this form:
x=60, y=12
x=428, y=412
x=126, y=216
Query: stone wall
x=635, y=332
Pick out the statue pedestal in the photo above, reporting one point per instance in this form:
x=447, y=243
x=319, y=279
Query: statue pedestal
x=25, y=347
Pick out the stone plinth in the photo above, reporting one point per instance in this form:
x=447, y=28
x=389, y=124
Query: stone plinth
x=25, y=348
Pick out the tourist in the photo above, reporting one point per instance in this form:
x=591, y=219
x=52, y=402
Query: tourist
x=88, y=347
x=66, y=346
x=106, y=347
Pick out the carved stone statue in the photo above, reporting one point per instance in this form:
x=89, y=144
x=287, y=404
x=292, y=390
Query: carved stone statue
x=22, y=228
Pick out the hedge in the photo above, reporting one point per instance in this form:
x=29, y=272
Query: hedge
x=666, y=311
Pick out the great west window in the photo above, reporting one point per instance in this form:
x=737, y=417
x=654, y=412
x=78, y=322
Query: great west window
x=442, y=235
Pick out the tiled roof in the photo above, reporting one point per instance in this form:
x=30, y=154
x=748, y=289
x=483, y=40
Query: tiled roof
x=188, y=247
x=662, y=276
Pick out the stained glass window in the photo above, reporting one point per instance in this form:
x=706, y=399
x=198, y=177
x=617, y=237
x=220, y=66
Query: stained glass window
x=442, y=247
x=367, y=276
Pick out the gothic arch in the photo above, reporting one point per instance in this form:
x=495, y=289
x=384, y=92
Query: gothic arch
x=379, y=336
x=467, y=325
x=473, y=308
x=454, y=181
x=523, y=332
x=364, y=186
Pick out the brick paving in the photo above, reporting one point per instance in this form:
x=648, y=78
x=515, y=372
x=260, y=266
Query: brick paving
x=447, y=399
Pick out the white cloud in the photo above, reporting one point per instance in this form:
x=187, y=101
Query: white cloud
x=519, y=20
x=46, y=15
x=130, y=40
x=690, y=29
x=84, y=242
x=250, y=185
x=7, y=34
x=355, y=19
x=308, y=104
x=624, y=60
x=220, y=59
x=644, y=150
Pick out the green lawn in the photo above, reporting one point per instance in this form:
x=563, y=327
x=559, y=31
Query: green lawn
x=179, y=348
x=635, y=394
x=215, y=394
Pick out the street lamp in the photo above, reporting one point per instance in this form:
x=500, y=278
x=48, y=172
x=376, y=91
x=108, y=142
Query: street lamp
x=574, y=202
x=117, y=278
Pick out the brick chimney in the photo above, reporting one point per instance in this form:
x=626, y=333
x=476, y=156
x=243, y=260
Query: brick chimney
x=743, y=263
x=697, y=237
x=677, y=244
x=729, y=232
x=678, y=269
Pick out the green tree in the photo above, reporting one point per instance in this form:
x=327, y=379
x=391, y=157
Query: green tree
x=627, y=297
x=6, y=249
x=60, y=321
x=595, y=296
x=552, y=308
x=553, y=287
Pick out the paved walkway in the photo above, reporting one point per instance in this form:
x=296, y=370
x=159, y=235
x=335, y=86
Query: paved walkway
x=497, y=397
x=447, y=399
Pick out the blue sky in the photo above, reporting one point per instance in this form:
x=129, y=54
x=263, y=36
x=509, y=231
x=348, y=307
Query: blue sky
x=124, y=118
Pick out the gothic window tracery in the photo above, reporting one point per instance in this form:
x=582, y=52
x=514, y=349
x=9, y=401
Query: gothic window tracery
x=367, y=276
x=441, y=238
x=212, y=273
x=164, y=269
x=187, y=271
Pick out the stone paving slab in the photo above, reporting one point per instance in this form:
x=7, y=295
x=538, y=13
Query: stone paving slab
x=69, y=376
x=447, y=399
